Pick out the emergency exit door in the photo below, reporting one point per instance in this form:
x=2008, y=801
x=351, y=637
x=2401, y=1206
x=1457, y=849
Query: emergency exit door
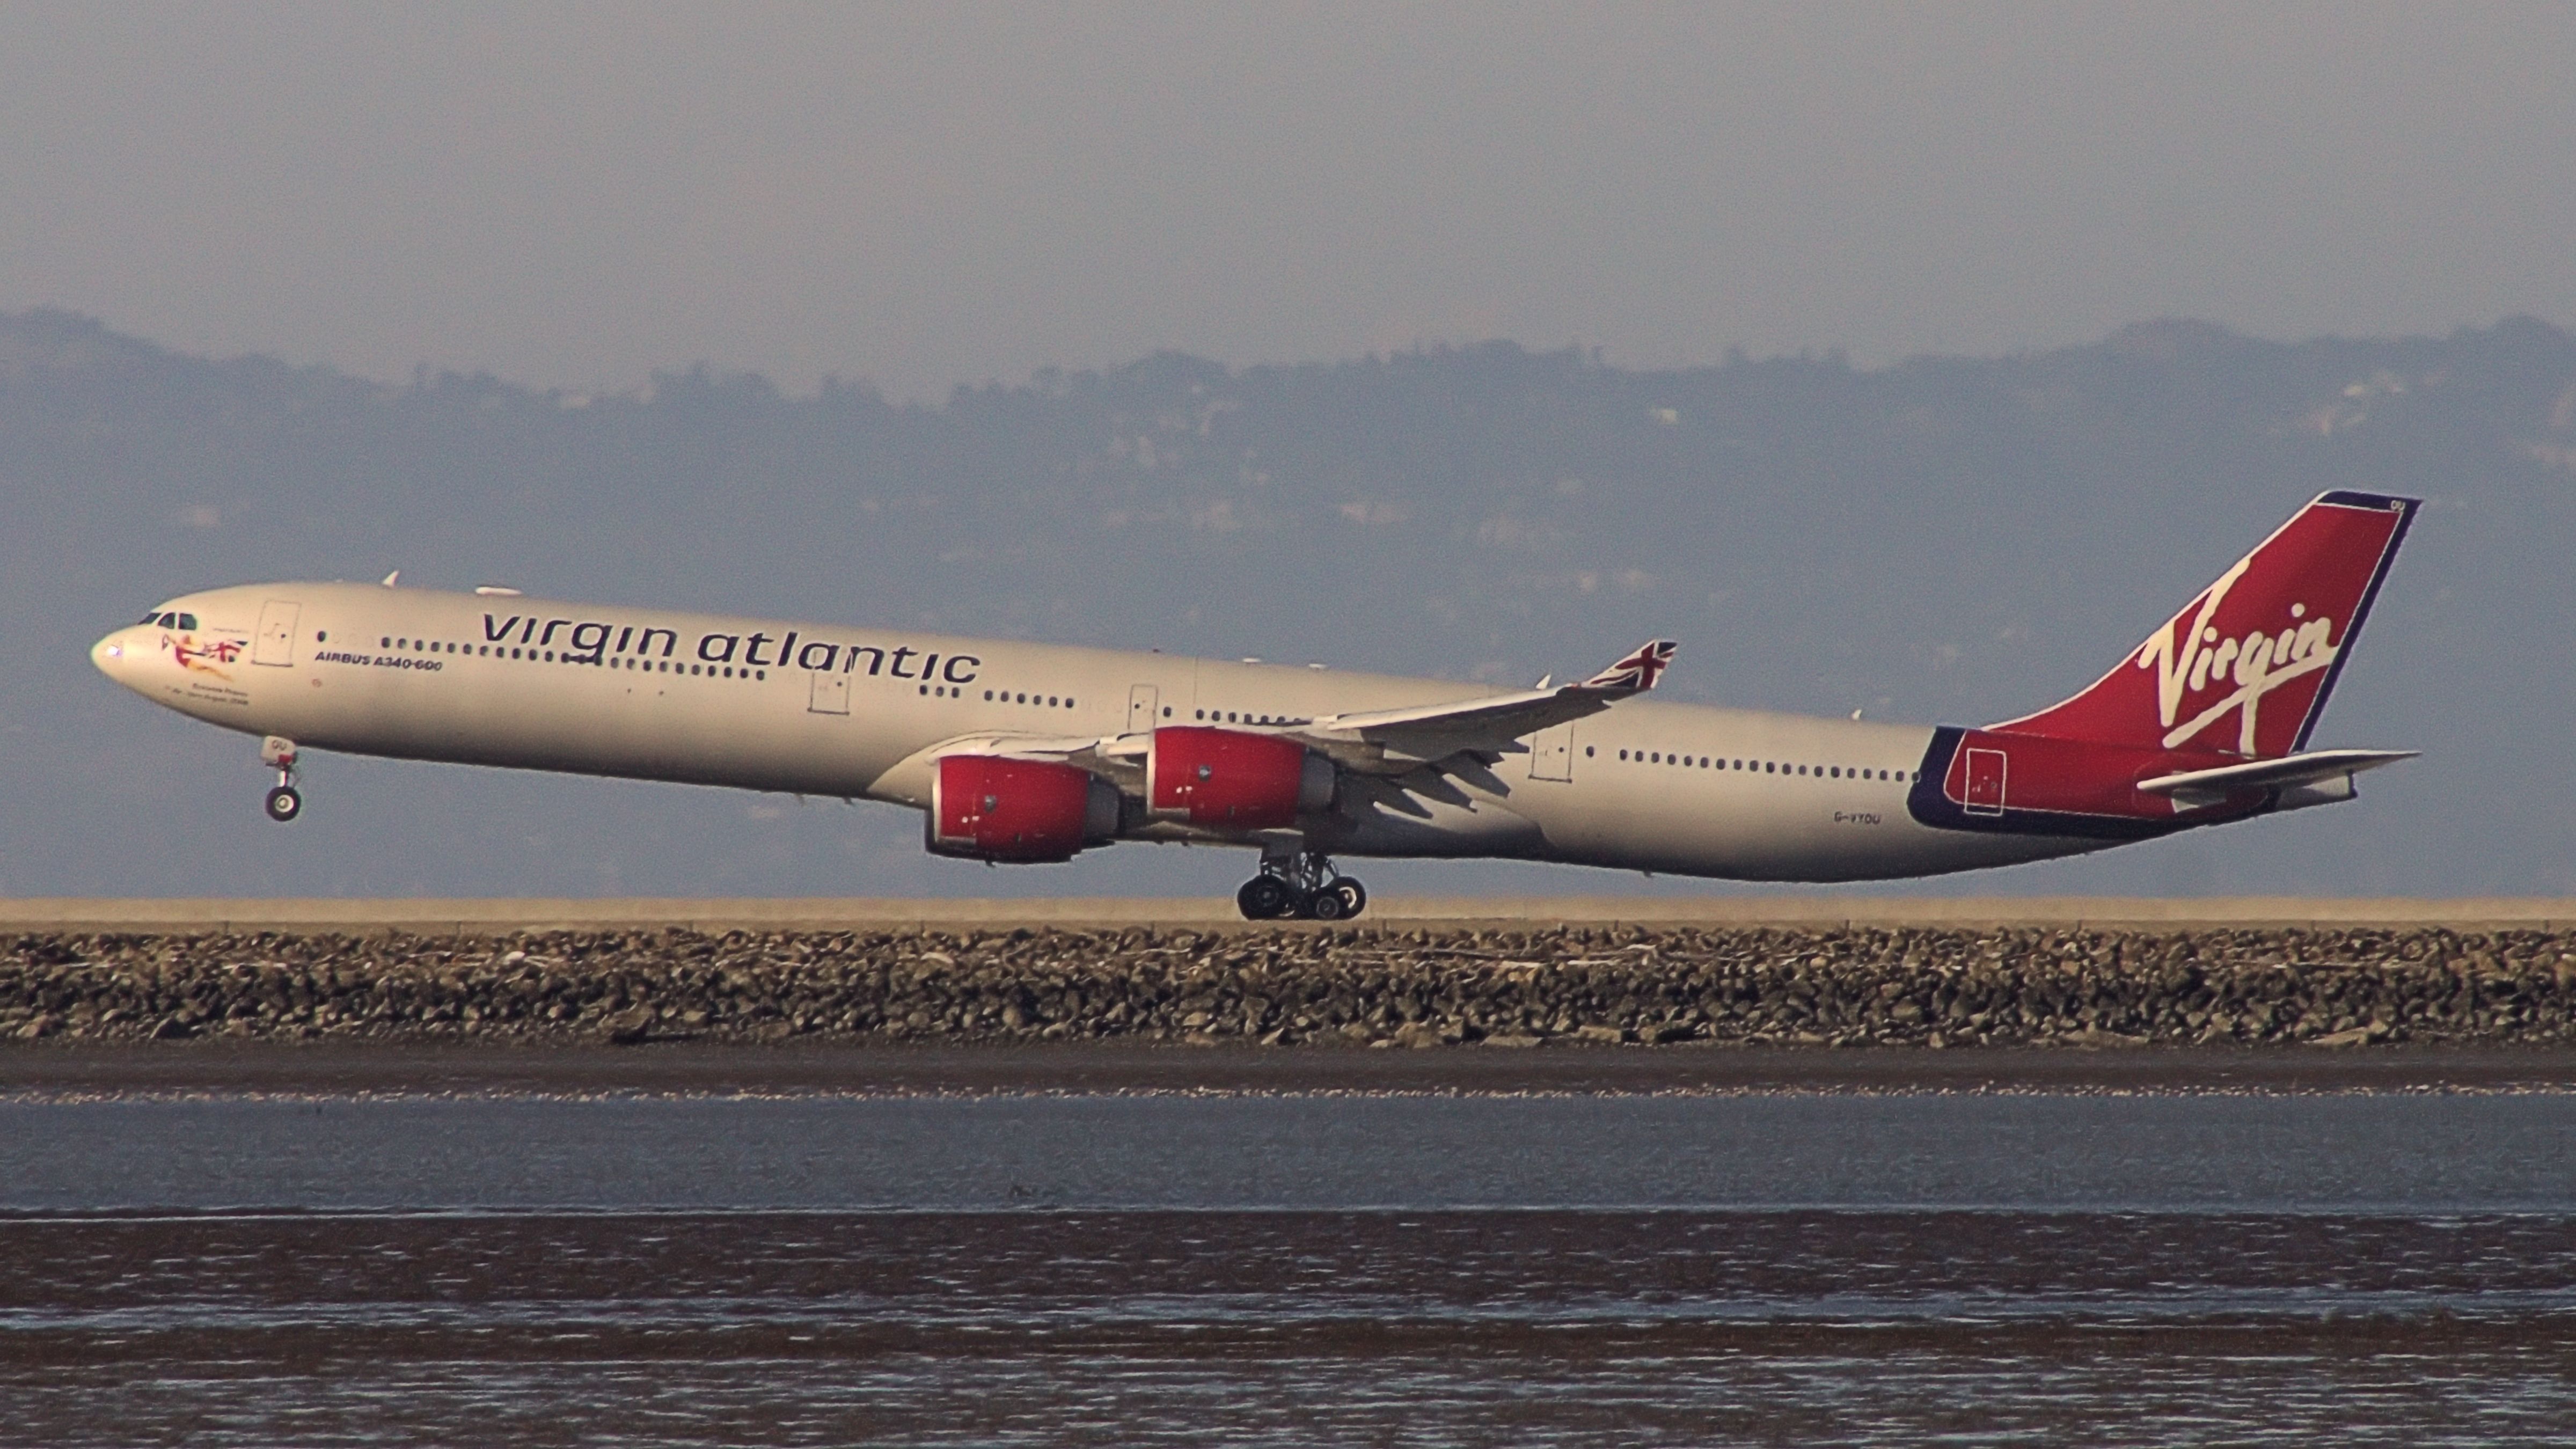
x=276, y=641
x=1552, y=753
x=1985, y=783
x=831, y=693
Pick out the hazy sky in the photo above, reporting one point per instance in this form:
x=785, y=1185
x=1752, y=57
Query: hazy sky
x=574, y=195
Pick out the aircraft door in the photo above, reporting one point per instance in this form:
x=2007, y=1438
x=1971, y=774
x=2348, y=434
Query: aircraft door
x=276, y=641
x=831, y=693
x=1143, y=703
x=1985, y=783
x=1552, y=753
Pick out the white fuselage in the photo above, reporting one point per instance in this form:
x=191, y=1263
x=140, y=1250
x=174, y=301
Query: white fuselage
x=832, y=710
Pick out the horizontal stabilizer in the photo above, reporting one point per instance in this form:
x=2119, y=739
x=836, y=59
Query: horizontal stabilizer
x=2306, y=769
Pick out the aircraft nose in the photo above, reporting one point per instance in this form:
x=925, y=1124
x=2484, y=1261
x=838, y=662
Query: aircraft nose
x=109, y=654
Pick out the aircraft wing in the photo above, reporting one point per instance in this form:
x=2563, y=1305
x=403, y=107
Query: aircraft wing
x=1419, y=734
x=2288, y=770
x=1376, y=741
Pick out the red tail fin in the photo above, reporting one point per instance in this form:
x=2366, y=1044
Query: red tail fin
x=2245, y=668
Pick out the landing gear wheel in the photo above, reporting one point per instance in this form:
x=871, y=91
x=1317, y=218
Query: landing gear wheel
x=284, y=804
x=1304, y=887
x=1353, y=895
x=1264, y=898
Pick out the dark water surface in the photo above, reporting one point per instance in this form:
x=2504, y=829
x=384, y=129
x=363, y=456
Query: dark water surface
x=2361, y=1268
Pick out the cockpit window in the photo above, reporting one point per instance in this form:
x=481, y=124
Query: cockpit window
x=187, y=621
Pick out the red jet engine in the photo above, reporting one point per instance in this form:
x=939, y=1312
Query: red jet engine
x=986, y=807
x=1235, y=781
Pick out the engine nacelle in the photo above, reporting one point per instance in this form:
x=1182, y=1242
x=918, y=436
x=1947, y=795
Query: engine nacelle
x=1024, y=811
x=1231, y=780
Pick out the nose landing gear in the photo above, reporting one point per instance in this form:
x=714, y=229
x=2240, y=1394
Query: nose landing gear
x=285, y=802
x=1300, y=887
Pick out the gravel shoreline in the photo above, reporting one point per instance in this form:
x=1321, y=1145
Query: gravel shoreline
x=1394, y=987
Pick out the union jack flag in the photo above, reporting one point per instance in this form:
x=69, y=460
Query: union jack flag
x=1639, y=670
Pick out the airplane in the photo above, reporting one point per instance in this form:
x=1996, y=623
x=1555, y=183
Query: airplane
x=1022, y=753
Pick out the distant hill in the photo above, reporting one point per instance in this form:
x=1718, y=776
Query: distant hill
x=1950, y=539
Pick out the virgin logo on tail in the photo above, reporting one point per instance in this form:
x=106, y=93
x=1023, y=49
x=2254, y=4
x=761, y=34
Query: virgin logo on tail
x=2257, y=664
x=2271, y=632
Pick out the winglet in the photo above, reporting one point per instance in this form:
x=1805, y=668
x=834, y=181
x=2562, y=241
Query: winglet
x=1638, y=671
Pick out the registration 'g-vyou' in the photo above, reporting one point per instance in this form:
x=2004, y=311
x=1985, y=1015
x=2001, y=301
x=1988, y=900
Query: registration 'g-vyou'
x=1026, y=753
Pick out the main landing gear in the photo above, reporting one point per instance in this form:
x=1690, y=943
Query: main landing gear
x=1300, y=888
x=285, y=802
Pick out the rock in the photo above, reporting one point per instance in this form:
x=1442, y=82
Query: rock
x=1424, y=984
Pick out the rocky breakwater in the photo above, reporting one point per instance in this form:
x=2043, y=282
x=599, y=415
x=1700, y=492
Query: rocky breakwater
x=1422, y=987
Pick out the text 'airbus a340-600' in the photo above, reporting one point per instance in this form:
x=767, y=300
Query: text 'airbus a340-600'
x=1024, y=753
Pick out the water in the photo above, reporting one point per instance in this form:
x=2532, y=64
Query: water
x=2371, y=1268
